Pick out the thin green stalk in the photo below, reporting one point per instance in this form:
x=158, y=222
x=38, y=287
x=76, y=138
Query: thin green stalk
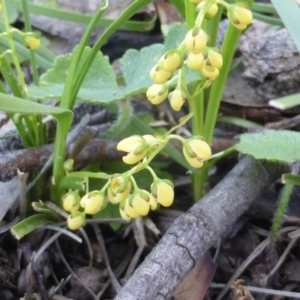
x=212, y=27
x=9, y=76
x=40, y=10
x=228, y=49
x=75, y=77
x=197, y=107
x=32, y=53
x=283, y=203
x=13, y=49
x=128, y=13
x=190, y=15
x=68, y=102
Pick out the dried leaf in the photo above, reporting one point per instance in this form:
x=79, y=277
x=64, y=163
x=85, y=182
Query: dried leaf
x=195, y=285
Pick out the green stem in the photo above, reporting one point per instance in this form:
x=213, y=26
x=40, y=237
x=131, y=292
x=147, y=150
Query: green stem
x=283, y=203
x=128, y=13
x=13, y=49
x=228, y=49
x=212, y=27
x=197, y=106
x=32, y=53
x=190, y=14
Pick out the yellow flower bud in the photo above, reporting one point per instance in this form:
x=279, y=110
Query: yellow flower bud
x=163, y=191
x=171, y=61
x=32, y=41
x=136, y=148
x=123, y=214
x=71, y=201
x=240, y=16
x=210, y=73
x=211, y=11
x=119, y=189
x=93, y=202
x=140, y=202
x=196, y=151
x=214, y=59
x=129, y=210
x=195, y=40
x=76, y=220
x=157, y=93
x=176, y=99
x=159, y=75
x=195, y=61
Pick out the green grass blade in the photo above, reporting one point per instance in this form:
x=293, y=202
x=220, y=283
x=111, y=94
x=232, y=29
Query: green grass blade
x=238, y=122
x=141, y=26
x=289, y=12
x=28, y=225
x=267, y=19
x=291, y=179
x=286, y=102
x=263, y=8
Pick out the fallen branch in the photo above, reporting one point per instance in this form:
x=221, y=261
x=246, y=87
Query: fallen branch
x=195, y=231
x=33, y=159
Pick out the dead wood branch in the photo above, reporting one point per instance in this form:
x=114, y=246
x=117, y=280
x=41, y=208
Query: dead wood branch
x=32, y=159
x=194, y=232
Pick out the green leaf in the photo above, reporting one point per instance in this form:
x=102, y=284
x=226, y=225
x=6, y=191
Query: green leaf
x=175, y=36
x=286, y=102
x=12, y=15
x=289, y=12
x=29, y=224
x=13, y=104
x=100, y=84
x=238, y=122
x=291, y=179
x=272, y=145
x=110, y=211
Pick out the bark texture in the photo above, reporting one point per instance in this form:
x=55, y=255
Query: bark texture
x=194, y=232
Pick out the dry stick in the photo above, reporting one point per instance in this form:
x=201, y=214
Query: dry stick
x=72, y=272
x=32, y=159
x=195, y=231
x=100, y=239
x=139, y=235
x=254, y=289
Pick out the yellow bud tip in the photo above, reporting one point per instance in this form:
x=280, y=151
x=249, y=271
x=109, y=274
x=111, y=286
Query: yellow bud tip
x=123, y=214
x=92, y=202
x=195, y=61
x=164, y=192
x=171, y=61
x=196, y=151
x=176, y=99
x=215, y=59
x=240, y=16
x=131, y=145
x=140, y=204
x=130, y=211
x=157, y=93
x=195, y=40
x=159, y=76
x=32, y=42
x=115, y=195
x=71, y=201
x=76, y=220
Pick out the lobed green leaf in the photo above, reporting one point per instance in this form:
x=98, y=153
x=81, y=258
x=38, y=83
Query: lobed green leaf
x=271, y=145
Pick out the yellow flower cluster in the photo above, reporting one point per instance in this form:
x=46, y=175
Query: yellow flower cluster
x=195, y=53
x=131, y=206
x=121, y=189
